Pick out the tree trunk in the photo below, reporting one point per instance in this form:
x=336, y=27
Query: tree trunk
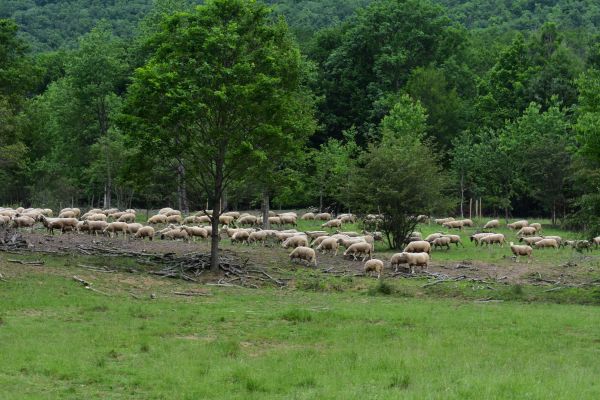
x=182, y=189
x=265, y=209
x=476, y=208
x=462, y=195
x=480, y=209
x=216, y=212
x=470, y=207
x=554, y=212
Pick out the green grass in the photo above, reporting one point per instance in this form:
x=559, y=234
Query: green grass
x=59, y=340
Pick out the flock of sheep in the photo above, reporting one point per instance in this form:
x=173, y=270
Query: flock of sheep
x=243, y=228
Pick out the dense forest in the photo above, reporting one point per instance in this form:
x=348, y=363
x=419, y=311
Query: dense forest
x=396, y=106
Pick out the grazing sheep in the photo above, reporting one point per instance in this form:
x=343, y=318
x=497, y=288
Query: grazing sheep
x=97, y=217
x=295, y=241
x=247, y=220
x=478, y=236
x=95, y=226
x=308, y=216
x=67, y=214
x=492, y=224
x=241, y=236
x=195, y=231
x=453, y=225
x=4, y=220
x=442, y=221
x=165, y=210
x=64, y=224
x=557, y=238
x=431, y=237
x=546, y=243
x=349, y=234
x=530, y=240
x=127, y=217
x=420, y=246
x=526, y=231
x=412, y=259
x=317, y=241
x=466, y=222
x=422, y=219
x=316, y=234
x=280, y=237
x=133, y=228
x=496, y=238
x=518, y=225
x=356, y=249
x=275, y=221
x=455, y=239
x=440, y=242
x=304, y=253
x=175, y=234
x=145, y=232
x=116, y=227
x=582, y=245
x=347, y=218
x=521, y=250
x=334, y=223
x=157, y=219
x=110, y=211
x=190, y=219
x=323, y=216
x=537, y=226
x=596, y=241
x=258, y=236
x=76, y=212
x=226, y=220
x=233, y=214
x=23, y=222
x=328, y=244
x=374, y=265
x=174, y=219
x=349, y=241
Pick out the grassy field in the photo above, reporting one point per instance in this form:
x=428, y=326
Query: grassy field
x=59, y=340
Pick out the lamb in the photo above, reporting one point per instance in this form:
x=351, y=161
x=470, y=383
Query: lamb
x=308, y=216
x=374, y=265
x=412, y=259
x=518, y=225
x=116, y=227
x=453, y=225
x=526, y=231
x=145, y=232
x=442, y=221
x=455, y=239
x=530, y=240
x=492, y=224
x=328, y=244
x=304, y=253
x=241, y=236
x=496, y=238
x=545, y=243
x=364, y=249
x=420, y=246
x=157, y=219
x=441, y=242
x=295, y=241
x=323, y=216
x=334, y=223
x=127, y=217
x=521, y=250
x=95, y=226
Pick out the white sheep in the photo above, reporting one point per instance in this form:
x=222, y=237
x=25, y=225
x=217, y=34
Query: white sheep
x=496, y=238
x=546, y=243
x=530, y=240
x=145, y=232
x=295, y=241
x=127, y=217
x=258, y=236
x=95, y=226
x=241, y=236
x=323, y=216
x=116, y=227
x=357, y=249
x=334, y=223
x=518, y=225
x=453, y=225
x=328, y=244
x=442, y=221
x=526, y=231
x=133, y=228
x=420, y=246
x=412, y=259
x=492, y=224
x=374, y=265
x=308, y=216
x=521, y=250
x=157, y=219
x=304, y=253
x=440, y=242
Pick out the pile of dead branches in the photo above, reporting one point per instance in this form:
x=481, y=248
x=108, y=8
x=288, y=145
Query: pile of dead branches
x=11, y=240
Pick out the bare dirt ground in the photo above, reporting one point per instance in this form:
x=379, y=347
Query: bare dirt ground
x=275, y=260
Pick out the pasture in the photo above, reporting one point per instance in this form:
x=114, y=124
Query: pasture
x=476, y=325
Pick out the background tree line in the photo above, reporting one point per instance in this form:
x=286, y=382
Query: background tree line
x=493, y=101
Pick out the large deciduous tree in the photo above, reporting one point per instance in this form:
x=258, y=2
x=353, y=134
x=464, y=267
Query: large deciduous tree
x=223, y=90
